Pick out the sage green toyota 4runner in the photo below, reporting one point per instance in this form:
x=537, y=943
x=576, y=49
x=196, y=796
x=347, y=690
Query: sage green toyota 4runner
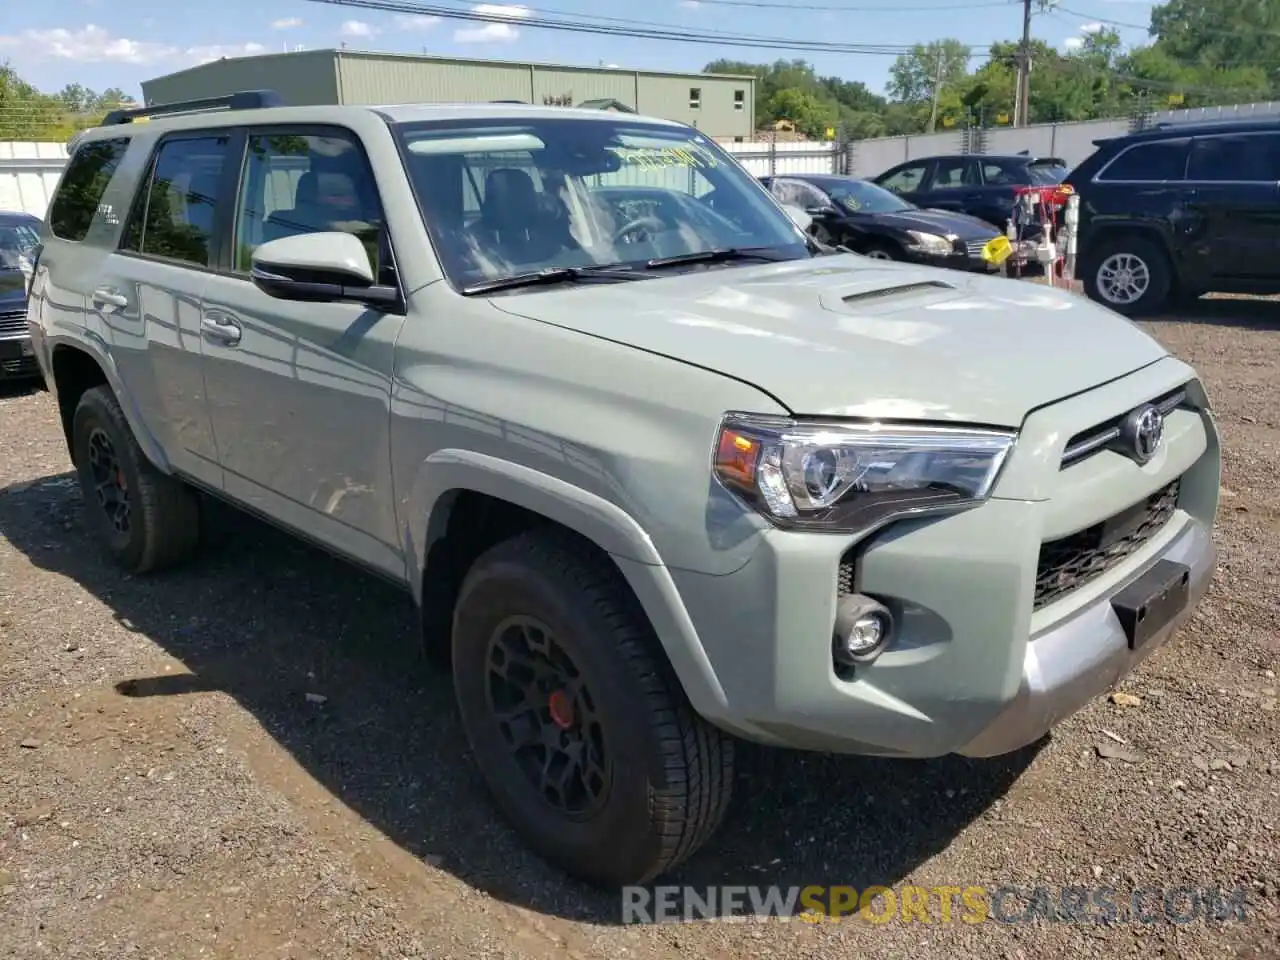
x=659, y=470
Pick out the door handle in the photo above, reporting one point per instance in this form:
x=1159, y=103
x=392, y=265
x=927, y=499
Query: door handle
x=106, y=296
x=220, y=328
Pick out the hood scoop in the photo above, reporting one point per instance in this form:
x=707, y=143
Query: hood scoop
x=906, y=288
x=876, y=296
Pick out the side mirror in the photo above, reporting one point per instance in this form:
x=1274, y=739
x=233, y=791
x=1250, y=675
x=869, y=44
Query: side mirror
x=319, y=268
x=820, y=210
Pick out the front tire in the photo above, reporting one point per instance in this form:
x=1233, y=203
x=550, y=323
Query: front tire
x=881, y=251
x=575, y=718
x=1129, y=274
x=145, y=519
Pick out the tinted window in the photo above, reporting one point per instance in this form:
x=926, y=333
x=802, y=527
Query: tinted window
x=1046, y=174
x=1235, y=157
x=797, y=193
x=298, y=183
x=174, y=215
x=1162, y=160
x=905, y=180
x=83, y=184
x=952, y=174
x=1001, y=174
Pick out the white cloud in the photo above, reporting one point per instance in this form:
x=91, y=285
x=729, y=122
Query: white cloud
x=1091, y=28
x=489, y=33
x=493, y=32
x=356, y=28
x=1073, y=43
x=94, y=44
x=89, y=44
x=286, y=23
x=416, y=22
x=509, y=10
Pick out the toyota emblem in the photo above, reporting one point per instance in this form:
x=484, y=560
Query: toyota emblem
x=1143, y=432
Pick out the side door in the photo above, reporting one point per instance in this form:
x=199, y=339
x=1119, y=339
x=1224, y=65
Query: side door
x=907, y=180
x=78, y=233
x=148, y=295
x=1232, y=194
x=299, y=392
x=955, y=184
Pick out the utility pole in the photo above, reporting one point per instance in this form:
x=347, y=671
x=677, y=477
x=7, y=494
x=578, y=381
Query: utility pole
x=937, y=90
x=1022, y=96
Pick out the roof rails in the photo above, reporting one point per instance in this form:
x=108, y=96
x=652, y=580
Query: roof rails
x=243, y=100
x=524, y=102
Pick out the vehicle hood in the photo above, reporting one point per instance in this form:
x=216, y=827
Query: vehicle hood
x=849, y=336
x=938, y=221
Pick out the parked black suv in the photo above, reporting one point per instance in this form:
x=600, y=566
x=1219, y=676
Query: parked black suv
x=19, y=238
x=981, y=185
x=1180, y=210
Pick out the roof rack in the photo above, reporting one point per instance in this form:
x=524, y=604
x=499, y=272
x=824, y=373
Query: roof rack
x=242, y=100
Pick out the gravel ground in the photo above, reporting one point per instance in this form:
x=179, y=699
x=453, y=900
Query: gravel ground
x=249, y=758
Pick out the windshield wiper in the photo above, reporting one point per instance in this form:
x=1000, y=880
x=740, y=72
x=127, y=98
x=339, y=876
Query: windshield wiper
x=724, y=255
x=551, y=275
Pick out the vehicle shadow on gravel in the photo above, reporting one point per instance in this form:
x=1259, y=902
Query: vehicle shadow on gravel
x=269, y=621
x=1252, y=313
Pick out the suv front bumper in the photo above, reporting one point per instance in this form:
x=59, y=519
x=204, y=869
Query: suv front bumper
x=983, y=661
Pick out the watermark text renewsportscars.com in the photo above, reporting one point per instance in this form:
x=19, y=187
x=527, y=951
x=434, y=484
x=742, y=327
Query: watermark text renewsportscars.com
x=938, y=904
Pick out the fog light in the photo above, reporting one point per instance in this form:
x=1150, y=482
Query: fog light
x=863, y=627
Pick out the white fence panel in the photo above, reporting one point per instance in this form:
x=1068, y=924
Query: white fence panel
x=28, y=174
x=1235, y=111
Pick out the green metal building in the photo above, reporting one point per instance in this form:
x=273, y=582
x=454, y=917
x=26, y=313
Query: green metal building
x=721, y=106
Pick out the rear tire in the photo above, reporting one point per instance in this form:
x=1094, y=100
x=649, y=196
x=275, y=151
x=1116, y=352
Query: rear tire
x=1129, y=274
x=642, y=780
x=146, y=520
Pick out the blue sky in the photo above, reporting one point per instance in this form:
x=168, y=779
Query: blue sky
x=106, y=43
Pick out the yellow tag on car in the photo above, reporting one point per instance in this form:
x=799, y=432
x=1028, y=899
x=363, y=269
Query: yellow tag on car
x=997, y=250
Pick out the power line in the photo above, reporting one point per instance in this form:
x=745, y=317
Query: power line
x=638, y=30
x=1146, y=27
x=846, y=8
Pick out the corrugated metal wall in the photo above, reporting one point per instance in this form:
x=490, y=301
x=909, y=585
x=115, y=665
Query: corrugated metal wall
x=348, y=76
x=307, y=77
x=374, y=78
x=28, y=174
x=580, y=85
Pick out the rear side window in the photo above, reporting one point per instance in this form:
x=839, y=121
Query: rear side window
x=83, y=184
x=173, y=217
x=1159, y=160
x=1235, y=158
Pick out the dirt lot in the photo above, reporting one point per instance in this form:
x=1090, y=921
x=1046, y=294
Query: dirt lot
x=173, y=786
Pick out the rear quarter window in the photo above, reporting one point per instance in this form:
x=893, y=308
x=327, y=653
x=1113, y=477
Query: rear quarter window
x=83, y=183
x=1157, y=161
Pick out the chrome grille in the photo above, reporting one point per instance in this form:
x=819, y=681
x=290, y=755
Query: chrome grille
x=12, y=322
x=1099, y=436
x=1074, y=560
x=974, y=248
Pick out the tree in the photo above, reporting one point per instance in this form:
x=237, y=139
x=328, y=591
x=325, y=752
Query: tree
x=943, y=64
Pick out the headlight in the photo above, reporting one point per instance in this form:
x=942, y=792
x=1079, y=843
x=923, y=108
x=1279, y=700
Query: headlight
x=930, y=243
x=849, y=477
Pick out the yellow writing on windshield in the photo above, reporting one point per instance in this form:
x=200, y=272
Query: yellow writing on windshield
x=658, y=157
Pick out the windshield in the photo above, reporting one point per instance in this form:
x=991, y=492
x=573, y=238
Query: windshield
x=1046, y=174
x=18, y=242
x=509, y=197
x=858, y=196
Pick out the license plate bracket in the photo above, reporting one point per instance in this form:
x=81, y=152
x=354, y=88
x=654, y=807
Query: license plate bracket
x=1147, y=605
